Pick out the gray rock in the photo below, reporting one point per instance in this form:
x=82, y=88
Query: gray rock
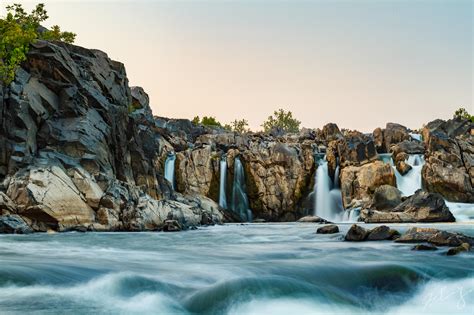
x=382, y=232
x=328, y=229
x=14, y=224
x=356, y=234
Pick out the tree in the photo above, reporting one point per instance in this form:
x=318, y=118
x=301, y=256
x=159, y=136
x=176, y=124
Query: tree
x=463, y=113
x=207, y=121
x=18, y=30
x=240, y=126
x=282, y=120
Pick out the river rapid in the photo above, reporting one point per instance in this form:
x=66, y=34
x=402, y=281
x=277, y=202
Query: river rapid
x=231, y=269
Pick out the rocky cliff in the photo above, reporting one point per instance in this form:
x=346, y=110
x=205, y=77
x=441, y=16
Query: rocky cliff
x=80, y=149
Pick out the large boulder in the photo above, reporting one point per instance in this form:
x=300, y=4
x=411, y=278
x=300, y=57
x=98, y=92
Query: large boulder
x=47, y=192
x=434, y=236
x=356, y=233
x=420, y=207
x=358, y=183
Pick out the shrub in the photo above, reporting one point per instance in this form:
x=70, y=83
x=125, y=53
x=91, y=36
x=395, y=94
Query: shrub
x=282, y=120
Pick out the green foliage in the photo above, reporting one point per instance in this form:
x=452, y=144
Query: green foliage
x=240, y=126
x=18, y=30
x=282, y=120
x=463, y=113
x=207, y=121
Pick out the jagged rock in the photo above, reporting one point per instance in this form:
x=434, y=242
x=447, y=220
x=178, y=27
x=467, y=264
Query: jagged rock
x=13, y=224
x=47, y=192
x=360, y=183
x=386, y=197
x=400, y=162
x=331, y=132
x=407, y=147
x=424, y=247
x=394, y=134
x=464, y=247
x=328, y=229
x=449, y=168
x=171, y=226
x=6, y=205
x=434, y=236
x=381, y=233
x=420, y=207
x=451, y=128
x=356, y=234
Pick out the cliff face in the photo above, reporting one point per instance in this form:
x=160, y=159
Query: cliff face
x=79, y=148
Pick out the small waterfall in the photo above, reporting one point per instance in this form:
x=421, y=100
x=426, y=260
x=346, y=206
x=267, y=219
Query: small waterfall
x=416, y=136
x=463, y=212
x=409, y=183
x=240, y=201
x=169, y=168
x=328, y=195
x=222, y=182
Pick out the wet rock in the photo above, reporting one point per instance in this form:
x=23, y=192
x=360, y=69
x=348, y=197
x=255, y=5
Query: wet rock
x=386, y=197
x=328, y=229
x=312, y=219
x=394, y=134
x=464, y=247
x=381, y=233
x=424, y=247
x=420, y=207
x=13, y=224
x=356, y=234
x=171, y=226
x=434, y=236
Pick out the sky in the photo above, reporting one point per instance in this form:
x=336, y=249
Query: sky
x=359, y=64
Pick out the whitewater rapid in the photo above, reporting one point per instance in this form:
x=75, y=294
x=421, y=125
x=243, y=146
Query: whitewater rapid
x=231, y=269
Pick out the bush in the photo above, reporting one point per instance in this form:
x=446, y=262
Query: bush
x=18, y=30
x=283, y=120
x=207, y=121
x=463, y=113
x=240, y=126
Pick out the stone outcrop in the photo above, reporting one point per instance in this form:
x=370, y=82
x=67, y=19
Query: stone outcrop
x=386, y=197
x=434, y=236
x=420, y=207
x=392, y=134
x=358, y=183
x=13, y=224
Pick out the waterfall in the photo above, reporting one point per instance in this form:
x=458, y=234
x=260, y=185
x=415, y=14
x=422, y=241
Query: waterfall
x=416, y=136
x=169, y=168
x=463, y=212
x=328, y=204
x=222, y=182
x=411, y=181
x=240, y=201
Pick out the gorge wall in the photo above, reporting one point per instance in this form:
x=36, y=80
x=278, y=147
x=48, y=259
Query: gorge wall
x=80, y=149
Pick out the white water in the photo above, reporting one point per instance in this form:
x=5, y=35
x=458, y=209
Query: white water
x=409, y=183
x=328, y=203
x=169, y=168
x=416, y=136
x=240, y=201
x=222, y=182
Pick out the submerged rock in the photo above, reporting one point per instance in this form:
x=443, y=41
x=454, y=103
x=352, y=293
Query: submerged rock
x=434, y=236
x=14, y=224
x=171, y=226
x=424, y=247
x=328, y=229
x=464, y=247
x=356, y=234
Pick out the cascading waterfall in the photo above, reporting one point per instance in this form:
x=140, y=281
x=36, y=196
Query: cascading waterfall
x=409, y=183
x=169, y=168
x=222, y=182
x=328, y=204
x=240, y=201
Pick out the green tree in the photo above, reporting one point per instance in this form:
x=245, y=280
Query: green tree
x=282, y=120
x=463, y=113
x=18, y=29
x=207, y=121
x=240, y=126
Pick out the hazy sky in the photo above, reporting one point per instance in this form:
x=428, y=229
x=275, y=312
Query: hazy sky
x=356, y=63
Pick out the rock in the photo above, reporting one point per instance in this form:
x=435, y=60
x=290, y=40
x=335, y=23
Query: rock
x=434, y=236
x=394, y=134
x=331, y=132
x=451, y=128
x=328, y=229
x=356, y=234
x=171, y=226
x=13, y=224
x=381, y=233
x=386, y=197
x=424, y=247
x=407, y=147
x=360, y=183
x=6, y=205
x=449, y=168
x=47, y=193
x=259, y=221
x=312, y=219
x=464, y=247
x=356, y=149
x=420, y=207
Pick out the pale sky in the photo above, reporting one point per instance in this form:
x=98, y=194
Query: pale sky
x=359, y=64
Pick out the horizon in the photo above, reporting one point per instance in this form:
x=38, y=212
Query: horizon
x=368, y=63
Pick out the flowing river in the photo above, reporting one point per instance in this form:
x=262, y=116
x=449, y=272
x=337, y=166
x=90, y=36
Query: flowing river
x=231, y=269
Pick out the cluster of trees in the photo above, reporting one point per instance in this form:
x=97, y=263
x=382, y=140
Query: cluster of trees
x=18, y=29
x=463, y=113
x=280, y=120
